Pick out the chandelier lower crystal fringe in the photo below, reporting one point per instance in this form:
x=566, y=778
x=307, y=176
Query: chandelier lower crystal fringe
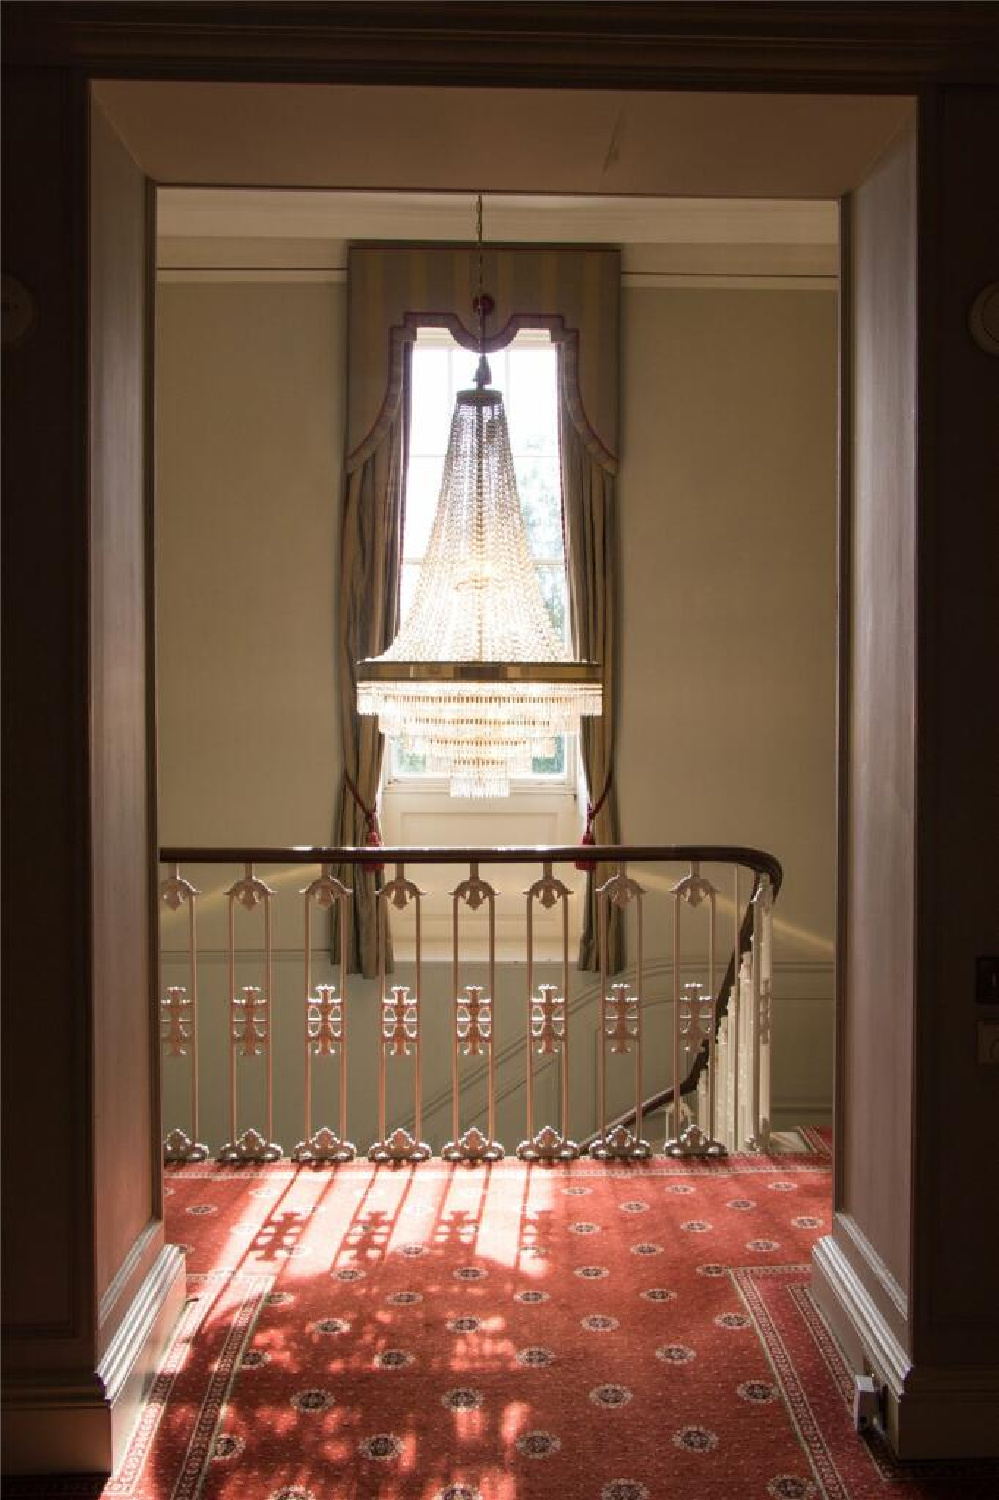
x=478, y=680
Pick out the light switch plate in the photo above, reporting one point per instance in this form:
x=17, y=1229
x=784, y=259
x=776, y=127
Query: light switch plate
x=987, y=979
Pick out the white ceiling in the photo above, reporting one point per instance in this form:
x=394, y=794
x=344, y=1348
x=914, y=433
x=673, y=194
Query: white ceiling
x=279, y=178
x=565, y=141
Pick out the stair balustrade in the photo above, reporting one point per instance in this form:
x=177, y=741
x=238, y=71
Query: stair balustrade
x=314, y=1054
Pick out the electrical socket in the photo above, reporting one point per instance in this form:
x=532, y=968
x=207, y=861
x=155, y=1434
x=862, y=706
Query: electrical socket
x=866, y=1402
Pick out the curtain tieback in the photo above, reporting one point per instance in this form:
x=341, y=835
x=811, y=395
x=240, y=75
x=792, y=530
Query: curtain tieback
x=373, y=837
x=592, y=809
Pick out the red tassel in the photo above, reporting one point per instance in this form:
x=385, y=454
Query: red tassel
x=373, y=840
x=587, y=864
x=592, y=809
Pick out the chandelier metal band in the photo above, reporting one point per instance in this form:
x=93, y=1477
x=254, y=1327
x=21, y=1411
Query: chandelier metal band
x=377, y=669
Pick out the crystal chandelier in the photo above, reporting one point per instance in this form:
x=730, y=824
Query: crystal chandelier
x=478, y=681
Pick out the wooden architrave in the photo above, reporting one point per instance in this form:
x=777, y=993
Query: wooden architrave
x=726, y=45
x=57, y=50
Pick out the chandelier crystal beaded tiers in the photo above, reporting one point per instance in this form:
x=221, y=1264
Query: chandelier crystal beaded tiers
x=478, y=680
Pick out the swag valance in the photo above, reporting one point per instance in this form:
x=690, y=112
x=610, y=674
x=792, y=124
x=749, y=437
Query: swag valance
x=395, y=289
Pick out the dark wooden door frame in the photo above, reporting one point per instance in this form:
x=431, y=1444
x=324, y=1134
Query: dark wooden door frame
x=802, y=48
x=924, y=50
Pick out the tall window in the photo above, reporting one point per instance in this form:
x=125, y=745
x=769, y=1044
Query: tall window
x=526, y=371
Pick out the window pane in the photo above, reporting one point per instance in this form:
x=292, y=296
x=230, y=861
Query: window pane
x=532, y=404
x=551, y=765
x=527, y=376
x=541, y=503
x=423, y=485
x=552, y=581
x=407, y=587
x=408, y=764
x=465, y=365
x=431, y=401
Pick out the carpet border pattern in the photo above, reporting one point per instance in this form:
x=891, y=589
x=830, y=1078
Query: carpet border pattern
x=254, y=1287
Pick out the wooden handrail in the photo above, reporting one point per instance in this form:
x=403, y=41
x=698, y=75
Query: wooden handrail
x=757, y=860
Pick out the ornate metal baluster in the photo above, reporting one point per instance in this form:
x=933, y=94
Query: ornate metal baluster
x=620, y=1024
x=745, y=1117
x=760, y=1016
x=250, y=1018
x=473, y=1028
x=326, y=1025
x=693, y=1017
x=548, y=1027
x=179, y=1017
x=400, y=1032
x=733, y=1019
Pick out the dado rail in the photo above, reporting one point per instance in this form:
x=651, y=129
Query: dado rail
x=691, y=1007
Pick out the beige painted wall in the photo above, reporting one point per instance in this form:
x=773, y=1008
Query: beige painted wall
x=728, y=538
x=249, y=438
x=728, y=535
x=727, y=506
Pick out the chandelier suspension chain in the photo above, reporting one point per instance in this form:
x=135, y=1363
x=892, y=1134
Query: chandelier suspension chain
x=478, y=235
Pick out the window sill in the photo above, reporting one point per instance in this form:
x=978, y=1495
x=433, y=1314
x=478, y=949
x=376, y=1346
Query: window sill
x=419, y=810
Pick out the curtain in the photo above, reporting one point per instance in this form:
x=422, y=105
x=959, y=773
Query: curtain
x=591, y=565
x=393, y=290
x=368, y=618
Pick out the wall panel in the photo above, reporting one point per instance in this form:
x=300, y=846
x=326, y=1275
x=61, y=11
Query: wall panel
x=878, y=874
x=122, y=748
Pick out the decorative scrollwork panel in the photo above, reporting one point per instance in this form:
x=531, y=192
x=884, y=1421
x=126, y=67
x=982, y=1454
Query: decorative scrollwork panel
x=250, y=1023
x=179, y=1018
x=548, y=1026
x=620, y=1024
x=400, y=1029
x=325, y=1025
x=472, y=1026
x=694, y=1027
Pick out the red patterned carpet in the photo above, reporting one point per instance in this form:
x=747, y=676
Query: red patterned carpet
x=511, y=1333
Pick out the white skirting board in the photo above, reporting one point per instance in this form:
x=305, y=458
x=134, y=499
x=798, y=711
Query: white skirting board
x=930, y=1412
x=72, y=1422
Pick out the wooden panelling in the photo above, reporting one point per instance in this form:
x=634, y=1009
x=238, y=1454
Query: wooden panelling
x=956, y=1207
x=730, y=44
x=49, y=1304
x=120, y=739
x=877, y=1000
x=77, y=835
